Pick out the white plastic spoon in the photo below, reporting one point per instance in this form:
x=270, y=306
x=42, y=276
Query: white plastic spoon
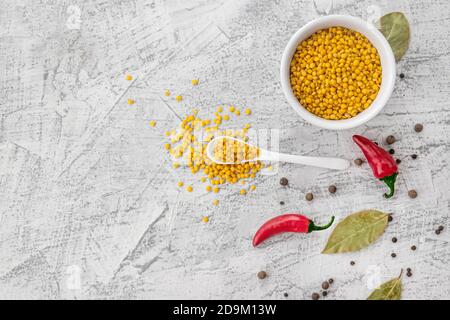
x=321, y=162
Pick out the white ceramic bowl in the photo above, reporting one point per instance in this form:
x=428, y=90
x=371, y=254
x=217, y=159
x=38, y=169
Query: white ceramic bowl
x=387, y=64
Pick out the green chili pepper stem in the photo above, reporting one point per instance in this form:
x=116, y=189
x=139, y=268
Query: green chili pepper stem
x=390, y=182
x=312, y=227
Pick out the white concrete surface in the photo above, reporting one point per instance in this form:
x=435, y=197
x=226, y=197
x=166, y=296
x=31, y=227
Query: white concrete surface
x=88, y=202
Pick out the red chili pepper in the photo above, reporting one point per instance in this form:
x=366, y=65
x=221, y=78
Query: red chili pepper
x=381, y=162
x=291, y=222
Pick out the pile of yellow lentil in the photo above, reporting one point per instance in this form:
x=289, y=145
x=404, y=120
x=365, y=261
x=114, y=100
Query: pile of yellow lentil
x=189, y=141
x=227, y=150
x=336, y=73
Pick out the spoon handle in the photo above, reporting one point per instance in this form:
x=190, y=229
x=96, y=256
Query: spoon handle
x=321, y=162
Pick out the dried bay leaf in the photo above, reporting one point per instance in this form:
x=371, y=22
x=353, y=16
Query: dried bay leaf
x=391, y=290
x=356, y=231
x=395, y=28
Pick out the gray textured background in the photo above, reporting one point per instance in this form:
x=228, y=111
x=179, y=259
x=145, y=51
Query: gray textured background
x=88, y=201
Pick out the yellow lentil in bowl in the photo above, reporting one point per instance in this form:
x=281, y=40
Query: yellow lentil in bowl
x=336, y=73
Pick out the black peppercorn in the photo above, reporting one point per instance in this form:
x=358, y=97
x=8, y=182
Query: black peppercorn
x=262, y=275
x=418, y=127
x=358, y=162
x=390, y=139
x=315, y=296
x=284, y=181
x=412, y=194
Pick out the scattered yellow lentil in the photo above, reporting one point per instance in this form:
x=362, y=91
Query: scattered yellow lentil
x=181, y=183
x=219, y=109
x=167, y=146
x=226, y=117
x=216, y=189
x=248, y=112
x=216, y=202
x=178, y=98
x=232, y=109
x=203, y=179
x=208, y=188
x=130, y=101
x=167, y=133
x=194, y=82
x=252, y=188
x=176, y=165
x=152, y=123
x=336, y=73
x=205, y=219
x=129, y=77
x=167, y=93
x=237, y=112
x=189, y=188
x=243, y=192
